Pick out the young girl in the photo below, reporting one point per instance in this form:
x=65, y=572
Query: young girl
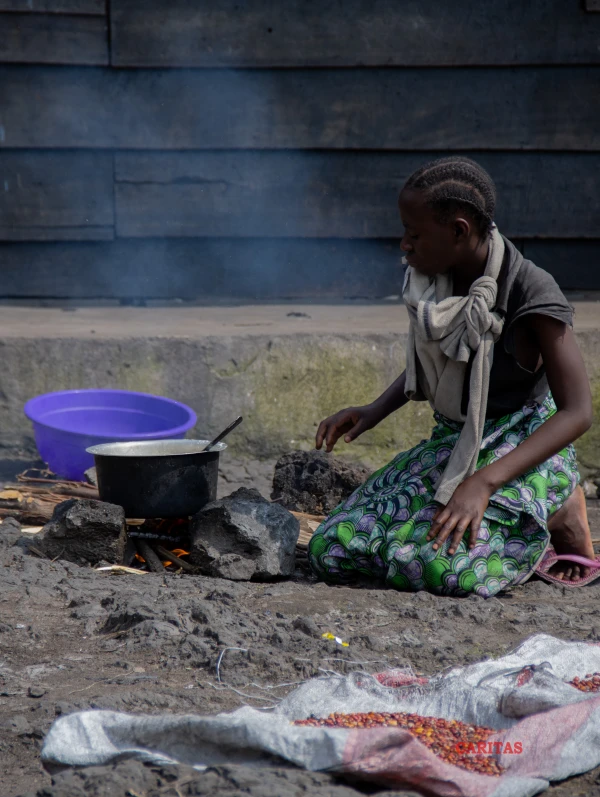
x=491, y=347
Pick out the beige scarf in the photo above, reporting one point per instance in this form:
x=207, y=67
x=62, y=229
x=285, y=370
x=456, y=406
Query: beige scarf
x=444, y=330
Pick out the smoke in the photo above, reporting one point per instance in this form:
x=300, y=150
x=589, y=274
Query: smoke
x=208, y=180
x=255, y=183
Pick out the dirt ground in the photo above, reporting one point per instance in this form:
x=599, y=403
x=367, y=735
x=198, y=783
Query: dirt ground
x=72, y=638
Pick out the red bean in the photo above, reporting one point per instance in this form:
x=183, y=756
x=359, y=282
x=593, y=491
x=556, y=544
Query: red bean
x=448, y=739
x=591, y=682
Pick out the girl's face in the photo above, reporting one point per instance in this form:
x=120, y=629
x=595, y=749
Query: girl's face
x=431, y=247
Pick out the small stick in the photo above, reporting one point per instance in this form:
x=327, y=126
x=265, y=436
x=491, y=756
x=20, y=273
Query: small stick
x=54, y=483
x=59, y=489
x=59, y=555
x=36, y=551
x=307, y=516
x=121, y=569
x=16, y=513
x=169, y=555
x=149, y=555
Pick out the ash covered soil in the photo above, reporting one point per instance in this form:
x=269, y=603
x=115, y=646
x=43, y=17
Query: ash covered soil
x=71, y=638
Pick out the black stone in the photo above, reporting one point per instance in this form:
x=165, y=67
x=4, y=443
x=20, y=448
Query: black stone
x=244, y=537
x=10, y=532
x=84, y=531
x=307, y=625
x=313, y=482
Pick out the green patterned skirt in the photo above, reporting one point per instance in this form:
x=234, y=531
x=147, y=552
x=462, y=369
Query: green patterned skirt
x=380, y=531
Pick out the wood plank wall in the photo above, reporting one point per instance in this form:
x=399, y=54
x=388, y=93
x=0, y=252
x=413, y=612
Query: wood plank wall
x=211, y=149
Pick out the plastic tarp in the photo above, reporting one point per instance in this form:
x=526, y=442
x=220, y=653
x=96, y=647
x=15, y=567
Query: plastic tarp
x=524, y=696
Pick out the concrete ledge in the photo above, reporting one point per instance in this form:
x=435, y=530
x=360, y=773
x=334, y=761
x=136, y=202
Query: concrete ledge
x=284, y=367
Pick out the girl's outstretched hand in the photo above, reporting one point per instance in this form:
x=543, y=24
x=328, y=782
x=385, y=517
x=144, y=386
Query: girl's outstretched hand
x=464, y=511
x=350, y=422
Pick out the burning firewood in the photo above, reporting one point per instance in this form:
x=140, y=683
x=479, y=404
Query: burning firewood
x=171, y=558
x=149, y=556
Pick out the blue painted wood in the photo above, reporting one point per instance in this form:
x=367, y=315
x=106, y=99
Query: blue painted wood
x=245, y=269
x=345, y=109
x=54, y=196
x=53, y=39
x=91, y=7
x=337, y=194
x=345, y=33
x=202, y=269
x=574, y=264
x=267, y=183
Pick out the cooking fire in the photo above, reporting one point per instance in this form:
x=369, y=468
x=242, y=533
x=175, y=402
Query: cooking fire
x=157, y=542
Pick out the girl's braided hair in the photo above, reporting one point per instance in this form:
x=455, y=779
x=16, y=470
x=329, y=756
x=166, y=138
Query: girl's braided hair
x=457, y=183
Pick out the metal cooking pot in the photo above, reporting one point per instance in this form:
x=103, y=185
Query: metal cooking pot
x=157, y=478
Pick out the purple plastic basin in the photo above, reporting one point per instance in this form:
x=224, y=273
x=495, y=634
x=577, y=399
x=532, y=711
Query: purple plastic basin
x=68, y=422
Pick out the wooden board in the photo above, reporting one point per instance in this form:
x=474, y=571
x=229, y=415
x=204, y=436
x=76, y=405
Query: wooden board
x=88, y=233
x=244, y=269
x=345, y=195
x=574, y=264
x=33, y=503
x=251, y=269
x=53, y=39
x=93, y=7
x=264, y=33
x=408, y=109
x=202, y=269
x=308, y=525
x=53, y=196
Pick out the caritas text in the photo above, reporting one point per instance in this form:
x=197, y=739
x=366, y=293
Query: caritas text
x=487, y=748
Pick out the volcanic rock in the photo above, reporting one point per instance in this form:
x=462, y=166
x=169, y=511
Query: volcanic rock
x=130, y=776
x=244, y=537
x=84, y=531
x=10, y=532
x=313, y=482
x=307, y=625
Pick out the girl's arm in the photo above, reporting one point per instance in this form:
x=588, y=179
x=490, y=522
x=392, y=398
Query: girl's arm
x=570, y=389
x=393, y=398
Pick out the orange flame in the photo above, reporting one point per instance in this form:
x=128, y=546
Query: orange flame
x=177, y=551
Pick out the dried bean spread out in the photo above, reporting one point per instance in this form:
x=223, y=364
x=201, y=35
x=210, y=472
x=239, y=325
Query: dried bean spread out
x=591, y=682
x=451, y=740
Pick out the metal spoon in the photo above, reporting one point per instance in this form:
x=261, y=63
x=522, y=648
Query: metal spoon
x=223, y=434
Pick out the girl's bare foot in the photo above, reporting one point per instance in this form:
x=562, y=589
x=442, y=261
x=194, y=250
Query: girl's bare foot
x=570, y=534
